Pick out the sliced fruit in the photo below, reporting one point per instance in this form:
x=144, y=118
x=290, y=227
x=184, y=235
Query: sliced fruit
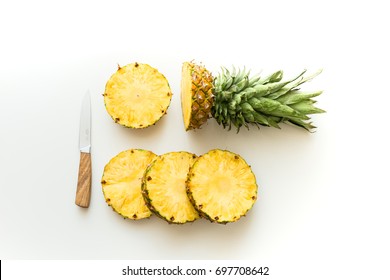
x=164, y=187
x=235, y=98
x=137, y=95
x=221, y=186
x=121, y=183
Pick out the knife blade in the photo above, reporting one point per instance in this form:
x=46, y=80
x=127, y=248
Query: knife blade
x=83, y=192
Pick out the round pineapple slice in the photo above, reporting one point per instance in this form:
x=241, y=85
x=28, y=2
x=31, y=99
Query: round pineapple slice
x=196, y=95
x=164, y=187
x=137, y=95
x=121, y=183
x=221, y=186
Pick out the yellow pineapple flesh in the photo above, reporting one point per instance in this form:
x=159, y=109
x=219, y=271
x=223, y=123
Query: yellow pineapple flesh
x=221, y=186
x=196, y=95
x=164, y=187
x=137, y=95
x=121, y=183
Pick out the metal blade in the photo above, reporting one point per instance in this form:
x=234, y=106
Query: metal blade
x=85, y=124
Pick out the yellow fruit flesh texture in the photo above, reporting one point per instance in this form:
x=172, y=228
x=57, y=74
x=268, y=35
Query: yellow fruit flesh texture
x=137, y=95
x=164, y=187
x=221, y=186
x=121, y=183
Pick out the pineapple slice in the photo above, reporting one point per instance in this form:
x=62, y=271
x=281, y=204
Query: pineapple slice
x=196, y=95
x=164, y=187
x=121, y=183
x=137, y=95
x=221, y=186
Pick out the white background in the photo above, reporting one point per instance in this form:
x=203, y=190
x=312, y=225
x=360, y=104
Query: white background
x=323, y=203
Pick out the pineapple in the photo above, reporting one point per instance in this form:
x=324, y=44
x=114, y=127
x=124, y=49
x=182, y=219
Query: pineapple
x=121, y=183
x=137, y=95
x=196, y=95
x=221, y=186
x=164, y=187
x=235, y=98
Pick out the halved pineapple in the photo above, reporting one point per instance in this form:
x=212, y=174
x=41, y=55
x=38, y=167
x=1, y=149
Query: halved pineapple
x=137, y=95
x=221, y=186
x=196, y=95
x=164, y=187
x=122, y=180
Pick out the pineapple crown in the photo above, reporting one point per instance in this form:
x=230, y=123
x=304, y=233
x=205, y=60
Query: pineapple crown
x=241, y=100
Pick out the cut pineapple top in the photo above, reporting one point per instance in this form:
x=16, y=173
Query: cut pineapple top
x=122, y=180
x=137, y=95
x=164, y=187
x=221, y=186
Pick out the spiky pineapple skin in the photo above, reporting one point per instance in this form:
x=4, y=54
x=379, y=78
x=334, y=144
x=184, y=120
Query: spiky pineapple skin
x=196, y=95
x=115, y=174
x=212, y=161
x=137, y=95
x=178, y=178
x=239, y=99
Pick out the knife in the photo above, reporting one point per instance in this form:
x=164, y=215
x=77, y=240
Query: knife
x=83, y=193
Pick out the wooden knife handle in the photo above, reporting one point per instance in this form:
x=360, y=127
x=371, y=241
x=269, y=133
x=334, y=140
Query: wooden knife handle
x=83, y=193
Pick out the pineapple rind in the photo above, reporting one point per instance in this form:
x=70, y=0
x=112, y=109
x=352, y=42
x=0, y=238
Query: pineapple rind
x=221, y=186
x=137, y=95
x=121, y=183
x=164, y=187
x=196, y=95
